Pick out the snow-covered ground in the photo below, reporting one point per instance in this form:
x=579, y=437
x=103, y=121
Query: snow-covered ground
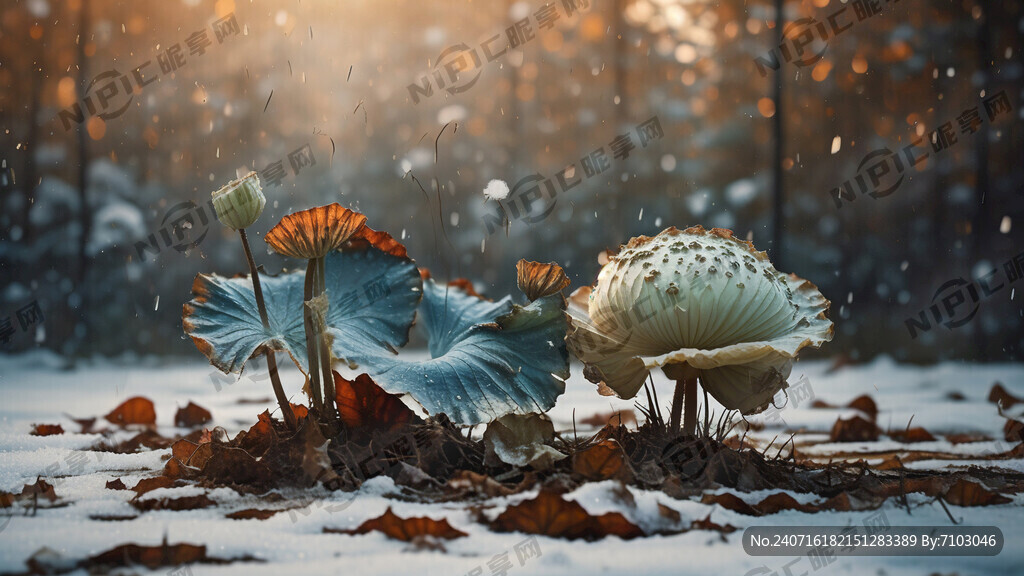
x=37, y=389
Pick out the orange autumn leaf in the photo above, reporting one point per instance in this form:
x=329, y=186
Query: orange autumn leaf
x=40, y=488
x=313, y=233
x=967, y=493
x=300, y=411
x=366, y=236
x=601, y=461
x=707, y=524
x=967, y=438
x=175, y=469
x=192, y=416
x=550, y=515
x=137, y=410
x=252, y=514
x=31, y=493
x=1013, y=430
x=1001, y=396
x=46, y=429
x=149, y=556
x=405, y=529
x=148, y=438
x=183, y=449
x=257, y=439
x=772, y=504
x=864, y=403
x=176, y=504
x=614, y=419
x=467, y=481
x=855, y=429
x=364, y=404
x=912, y=435
x=466, y=286
x=150, y=484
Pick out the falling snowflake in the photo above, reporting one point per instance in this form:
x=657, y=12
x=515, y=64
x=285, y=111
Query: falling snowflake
x=496, y=190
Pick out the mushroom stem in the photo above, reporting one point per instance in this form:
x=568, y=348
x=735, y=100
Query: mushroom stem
x=325, y=349
x=690, y=414
x=275, y=378
x=312, y=339
x=686, y=391
x=677, y=406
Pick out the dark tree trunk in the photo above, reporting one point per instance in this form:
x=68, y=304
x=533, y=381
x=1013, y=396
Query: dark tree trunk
x=983, y=219
x=778, y=198
x=621, y=109
x=31, y=164
x=85, y=215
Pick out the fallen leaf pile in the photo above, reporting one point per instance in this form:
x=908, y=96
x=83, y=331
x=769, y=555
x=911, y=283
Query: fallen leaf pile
x=431, y=460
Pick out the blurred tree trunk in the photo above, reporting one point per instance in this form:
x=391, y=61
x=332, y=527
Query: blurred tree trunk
x=621, y=108
x=512, y=113
x=31, y=163
x=83, y=142
x=983, y=220
x=85, y=214
x=778, y=195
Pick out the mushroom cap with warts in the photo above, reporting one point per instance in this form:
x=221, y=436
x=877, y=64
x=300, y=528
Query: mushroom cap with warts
x=701, y=298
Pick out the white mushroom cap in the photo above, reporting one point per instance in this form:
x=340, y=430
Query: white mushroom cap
x=703, y=298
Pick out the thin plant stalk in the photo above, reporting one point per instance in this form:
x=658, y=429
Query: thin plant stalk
x=325, y=349
x=275, y=378
x=312, y=347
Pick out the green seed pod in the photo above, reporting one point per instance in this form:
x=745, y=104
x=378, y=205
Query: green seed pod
x=240, y=203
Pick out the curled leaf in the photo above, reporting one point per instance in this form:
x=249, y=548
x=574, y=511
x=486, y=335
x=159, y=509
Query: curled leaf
x=315, y=232
x=362, y=404
x=520, y=440
x=372, y=298
x=488, y=359
x=538, y=280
